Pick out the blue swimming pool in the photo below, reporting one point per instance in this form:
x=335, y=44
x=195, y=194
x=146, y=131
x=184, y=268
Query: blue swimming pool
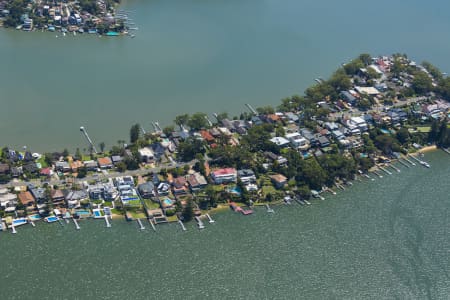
x=236, y=190
x=167, y=201
x=97, y=213
x=52, y=219
x=19, y=222
x=83, y=213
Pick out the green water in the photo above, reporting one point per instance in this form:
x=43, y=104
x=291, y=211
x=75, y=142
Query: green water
x=381, y=239
x=191, y=55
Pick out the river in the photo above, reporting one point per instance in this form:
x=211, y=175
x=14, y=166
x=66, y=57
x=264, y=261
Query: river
x=191, y=55
x=381, y=239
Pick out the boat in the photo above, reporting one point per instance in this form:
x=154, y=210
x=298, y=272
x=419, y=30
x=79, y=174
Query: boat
x=425, y=164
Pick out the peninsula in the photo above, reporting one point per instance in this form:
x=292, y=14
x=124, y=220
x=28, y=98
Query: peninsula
x=371, y=112
x=88, y=16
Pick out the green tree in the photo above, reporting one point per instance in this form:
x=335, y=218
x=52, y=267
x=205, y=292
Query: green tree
x=135, y=132
x=422, y=83
x=102, y=147
x=187, y=150
x=188, y=211
x=168, y=130
x=365, y=58
x=403, y=135
x=181, y=119
x=198, y=121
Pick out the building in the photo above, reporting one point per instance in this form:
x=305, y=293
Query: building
x=179, y=185
x=196, y=181
x=298, y=141
x=62, y=166
x=146, y=190
x=225, y=175
x=105, y=162
x=147, y=154
x=57, y=197
x=8, y=201
x=246, y=176
x=280, y=141
x=74, y=198
x=27, y=200
x=278, y=180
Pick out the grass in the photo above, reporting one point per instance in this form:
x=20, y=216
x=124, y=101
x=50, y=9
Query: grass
x=137, y=214
x=268, y=189
x=150, y=204
x=172, y=218
x=42, y=162
x=116, y=211
x=134, y=203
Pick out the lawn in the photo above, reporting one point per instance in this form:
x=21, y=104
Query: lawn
x=133, y=203
x=137, y=214
x=150, y=204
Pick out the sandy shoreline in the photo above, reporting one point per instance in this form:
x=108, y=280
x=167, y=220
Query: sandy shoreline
x=427, y=149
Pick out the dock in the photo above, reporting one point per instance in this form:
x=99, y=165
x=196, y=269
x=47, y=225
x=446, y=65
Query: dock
x=395, y=168
x=307, y=202
x=411, y=162
x=378, y=174
x=403, y=163
x=141, y=226
x=199, y=223
x=60, y=222
x=269, y=209
x=153, y=225
x=340, y=186
x=13, y=229
x=182, y=225
x=210, y=220
x=32, y=224
x=446, y=150
x=300, y=201
x=423, y=163
x=108, y=224
x=383, y=169
x=76, y=223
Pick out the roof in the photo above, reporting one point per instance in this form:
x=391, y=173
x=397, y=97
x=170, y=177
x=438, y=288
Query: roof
x=225, y=171
x=179, y=182
x=4, y=168
x=279, y=141
x=278, y=178
x=104, y=161
x=206, y=136
x=26, y=198
x=56, y=194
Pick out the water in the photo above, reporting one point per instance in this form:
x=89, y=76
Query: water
x=382, y=239
x=191, y=55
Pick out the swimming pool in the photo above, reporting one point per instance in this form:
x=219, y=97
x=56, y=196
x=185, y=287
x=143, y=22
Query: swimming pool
x=167, y=202
x=97, y=213
x=51, y=219
x=236, y=190
x=34, y=217
x=18, y=222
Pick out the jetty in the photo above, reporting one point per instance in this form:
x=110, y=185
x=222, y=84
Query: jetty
x=108, y=224
x=76, y=223
x=340, y=186
x=307, y=202
x=395, y=168
x=32, y=224
x=269, y=209
x=423, y=163
x=446, y=150
x=378, y=174
x=199, y=223
x=403, y=163
x=411, y=162
x=210, y=220
x=182, y=225
x=153, y=225
x=141, y=226
x=383, y=169
x=13, y=229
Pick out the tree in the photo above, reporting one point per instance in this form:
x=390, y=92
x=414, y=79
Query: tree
x=422, y=83
x=434, y=71
x=187, y=150
x=403, y=135
x=81, y=172
x=65, y=152
x=135, y=132
x=181, y=119
x=188, y=211
x=198, y=121
x=78, y=154
x=365, y=58
x=168, y=130
x=102, y=147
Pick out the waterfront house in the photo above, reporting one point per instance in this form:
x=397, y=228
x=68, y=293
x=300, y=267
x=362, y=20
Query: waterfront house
x=16, y=171
x=196, y=181
x=27, y=200
x=62, y=166
x=74, y=198
x=147, y=154
x=278, y=180
x=105, y=162
x=8, y=201
x=57, y=197
x=31, y=168
x=146, y=190
x=90, y=165
x=46, y=172
x=179, y=185
x=75, y=165
x=225, y=175
x=163, y=189
x=280, y=141
x=246, y=176
x=116, y=159
x=38, y=194
x=4, y=169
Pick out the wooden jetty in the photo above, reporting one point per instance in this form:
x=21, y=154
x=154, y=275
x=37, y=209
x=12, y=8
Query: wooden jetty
x=199, y=223
x=378, y=174
x=446, y=150
x=153, y=225
x=13, y=229
x=182, y=225
x=108, y=224
x=32, y=224
x=395, y=168
x=141, y=226
x=383, y=169
x=411, y=162
x=269, y=209
x=403, y=163
x=76, y=223
x=210, y=220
